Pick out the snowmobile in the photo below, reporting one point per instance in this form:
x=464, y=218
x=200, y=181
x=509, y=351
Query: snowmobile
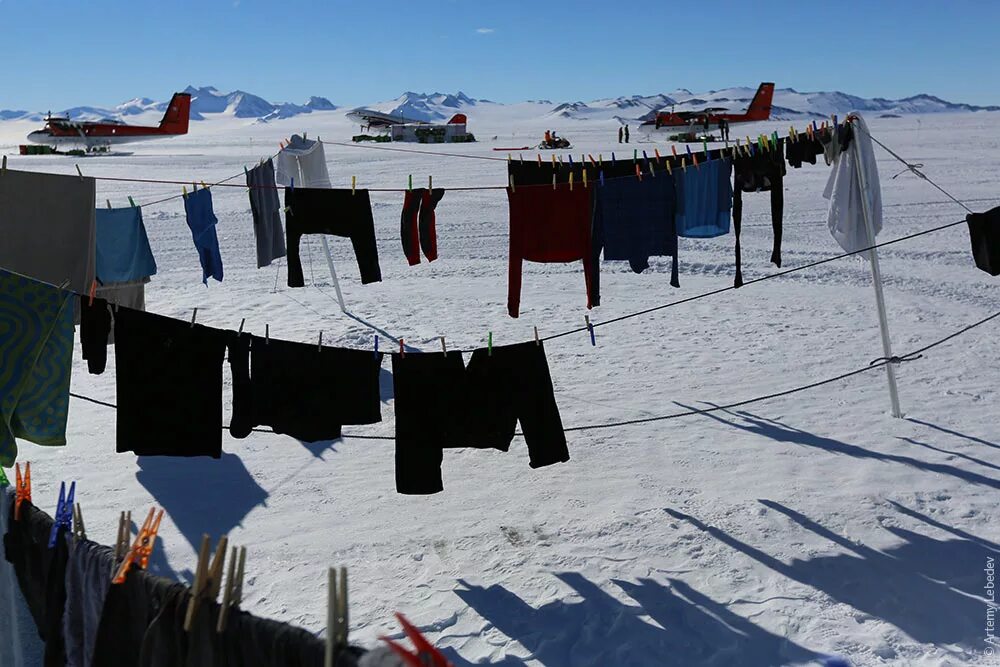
x=555, y=143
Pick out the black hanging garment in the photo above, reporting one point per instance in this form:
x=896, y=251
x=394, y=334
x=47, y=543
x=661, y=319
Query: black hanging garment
x=761, y=171
x=169, y=384
x=804, y=148
x=339, y=212
x=418, y=224
x=95, y=327
x=41, y=574
x=511, y=384
x=984, y=231
x=300, y=390
x=431, y=406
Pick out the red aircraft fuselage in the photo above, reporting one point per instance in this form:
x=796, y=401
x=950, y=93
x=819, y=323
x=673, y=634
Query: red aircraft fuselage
x=680, y=122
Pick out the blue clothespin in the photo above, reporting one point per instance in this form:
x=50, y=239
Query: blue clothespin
x=612, y=158
x=646, y=158
x=376, y=347
x=590, y=328
x=570, y=159
x=601, y=174
x=64, y=512
x=815, y=129
x=291, y=184
x=689, y=153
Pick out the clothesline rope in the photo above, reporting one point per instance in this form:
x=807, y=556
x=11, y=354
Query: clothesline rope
x=910, y=356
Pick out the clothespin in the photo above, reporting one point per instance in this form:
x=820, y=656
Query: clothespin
x=652, y=171
x=600, y=159
x=571, y=181
x=585, y=179
x=79, y=532
x=337, y=623
x=354, y=183
x=659, y=160
x=553, y=159
x=4, y=482
x=131, y=202
x=79, y=173
x=64, y=513
x=207, y=578
x=510, y=177
x=22, y=488
x=267, y=334
x=142, y=547
x=121, y=540
x=520, y=157
x=319, y=347
x=669, y=168
x=184, y=190
x=194, y=186
x=245, y=172
x=233, y=592
x=684, y=165
x=424, y=653
x=674, y=150
x=600, y=175
x=376, y=347
x=537, y=342
x=93, y=291
x=402, y=352
x=242, y=322
x=590, y=328
x=553, y=181
x=444, y=348
x=539, y=159
x=635, y=155
x=3, y=166
x=109, y=203
x=509, y=158
x=570, y=156
x=638, y=172
x=814, y=127
x=430, y=182
x=704, y=146
x=291, y=184
x=489, y=345
x=409, y=182
x=612, y=158
x=203, y=186
x=193, y=315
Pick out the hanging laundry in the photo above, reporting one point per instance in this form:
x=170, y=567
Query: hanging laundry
x=166, y=643
x=129, y=609
x=548, y=225
x=47, y=227
x=846, y=215
x=300, y=390
x=431, y=404
x=41, y=575
x=338, y=212
x=88, y=578
x=264, y=207
x=803, y=148
x=169, y=385
x=36, y=358
x=761, y=171
x=305, y=161
x=19, y=640
x=95, y=327
x=511, y=384
x=835, y=140
x=984, y=231
x=131, y=294
x=418, y=227
x=704, y=199
x=202, y=221
x=634, y=220
x=123, y=252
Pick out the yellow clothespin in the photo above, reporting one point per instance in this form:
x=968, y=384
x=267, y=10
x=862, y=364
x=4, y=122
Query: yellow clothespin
x=571, y=181
x=354, y=183
x=184, y=190
x=203, y=185
x=509, y=158
x=553, y=159
x=585, y=178
x=511, y=177
x=684, y=165
x=669, y=170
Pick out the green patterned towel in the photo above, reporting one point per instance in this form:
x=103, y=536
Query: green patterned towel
x=36, y=357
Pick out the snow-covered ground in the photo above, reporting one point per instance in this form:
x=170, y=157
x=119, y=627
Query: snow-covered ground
x=803, y=527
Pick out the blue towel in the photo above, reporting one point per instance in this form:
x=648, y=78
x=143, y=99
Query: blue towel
x=704, y=199
x=202, y=221
x=123, y=253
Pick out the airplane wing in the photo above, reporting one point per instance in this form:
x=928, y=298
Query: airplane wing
x=373, y=118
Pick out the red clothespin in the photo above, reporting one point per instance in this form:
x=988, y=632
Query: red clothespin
x=424, y=653
x=402, y=352
x=93, y=291
x=638, y=172
x=22, y=488
x=142, y=547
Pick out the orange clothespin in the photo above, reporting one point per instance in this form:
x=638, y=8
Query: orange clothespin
x=591, y=159
x=142, y=547
x=402, y=352
x=93, y=292
x=638, y=172
x=674, y=150
x=22, y=488
x=656, y=151
x=424, y=654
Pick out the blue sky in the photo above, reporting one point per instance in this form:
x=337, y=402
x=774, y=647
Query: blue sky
x=59, y=54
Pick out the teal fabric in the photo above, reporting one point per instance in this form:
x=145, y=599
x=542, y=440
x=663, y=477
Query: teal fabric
x=123, y=253
x=36, y=355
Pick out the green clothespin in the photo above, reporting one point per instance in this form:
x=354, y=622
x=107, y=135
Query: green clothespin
x=489, y=345
x=410, y=185
x=4, y=482
x=635, y=155
x=131, y=202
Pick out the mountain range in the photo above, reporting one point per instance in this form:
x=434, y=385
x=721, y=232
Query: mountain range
x=788, y=104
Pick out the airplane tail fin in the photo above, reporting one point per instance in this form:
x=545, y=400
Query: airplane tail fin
x=458, y=119
x=175, y=120
x=760, y=105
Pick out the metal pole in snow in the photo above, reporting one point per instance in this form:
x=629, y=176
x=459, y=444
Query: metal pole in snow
x=333, y=272
x=883, y=321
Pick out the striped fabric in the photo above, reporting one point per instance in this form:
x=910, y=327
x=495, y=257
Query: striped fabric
x=36, y=355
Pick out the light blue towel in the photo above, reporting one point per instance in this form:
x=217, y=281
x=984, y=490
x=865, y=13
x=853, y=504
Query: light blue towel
x=704, y=199
x=123, y=253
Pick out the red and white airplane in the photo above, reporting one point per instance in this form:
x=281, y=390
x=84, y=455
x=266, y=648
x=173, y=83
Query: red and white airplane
x=701, y=122
x=63, y=132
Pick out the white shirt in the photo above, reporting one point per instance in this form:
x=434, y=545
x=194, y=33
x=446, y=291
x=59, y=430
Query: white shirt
x=305, y=161
x=846, y=214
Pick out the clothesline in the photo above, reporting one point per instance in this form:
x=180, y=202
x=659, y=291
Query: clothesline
x=878, y=363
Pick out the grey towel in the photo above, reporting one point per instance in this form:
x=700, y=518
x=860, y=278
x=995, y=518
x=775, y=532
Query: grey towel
x=266, y=219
